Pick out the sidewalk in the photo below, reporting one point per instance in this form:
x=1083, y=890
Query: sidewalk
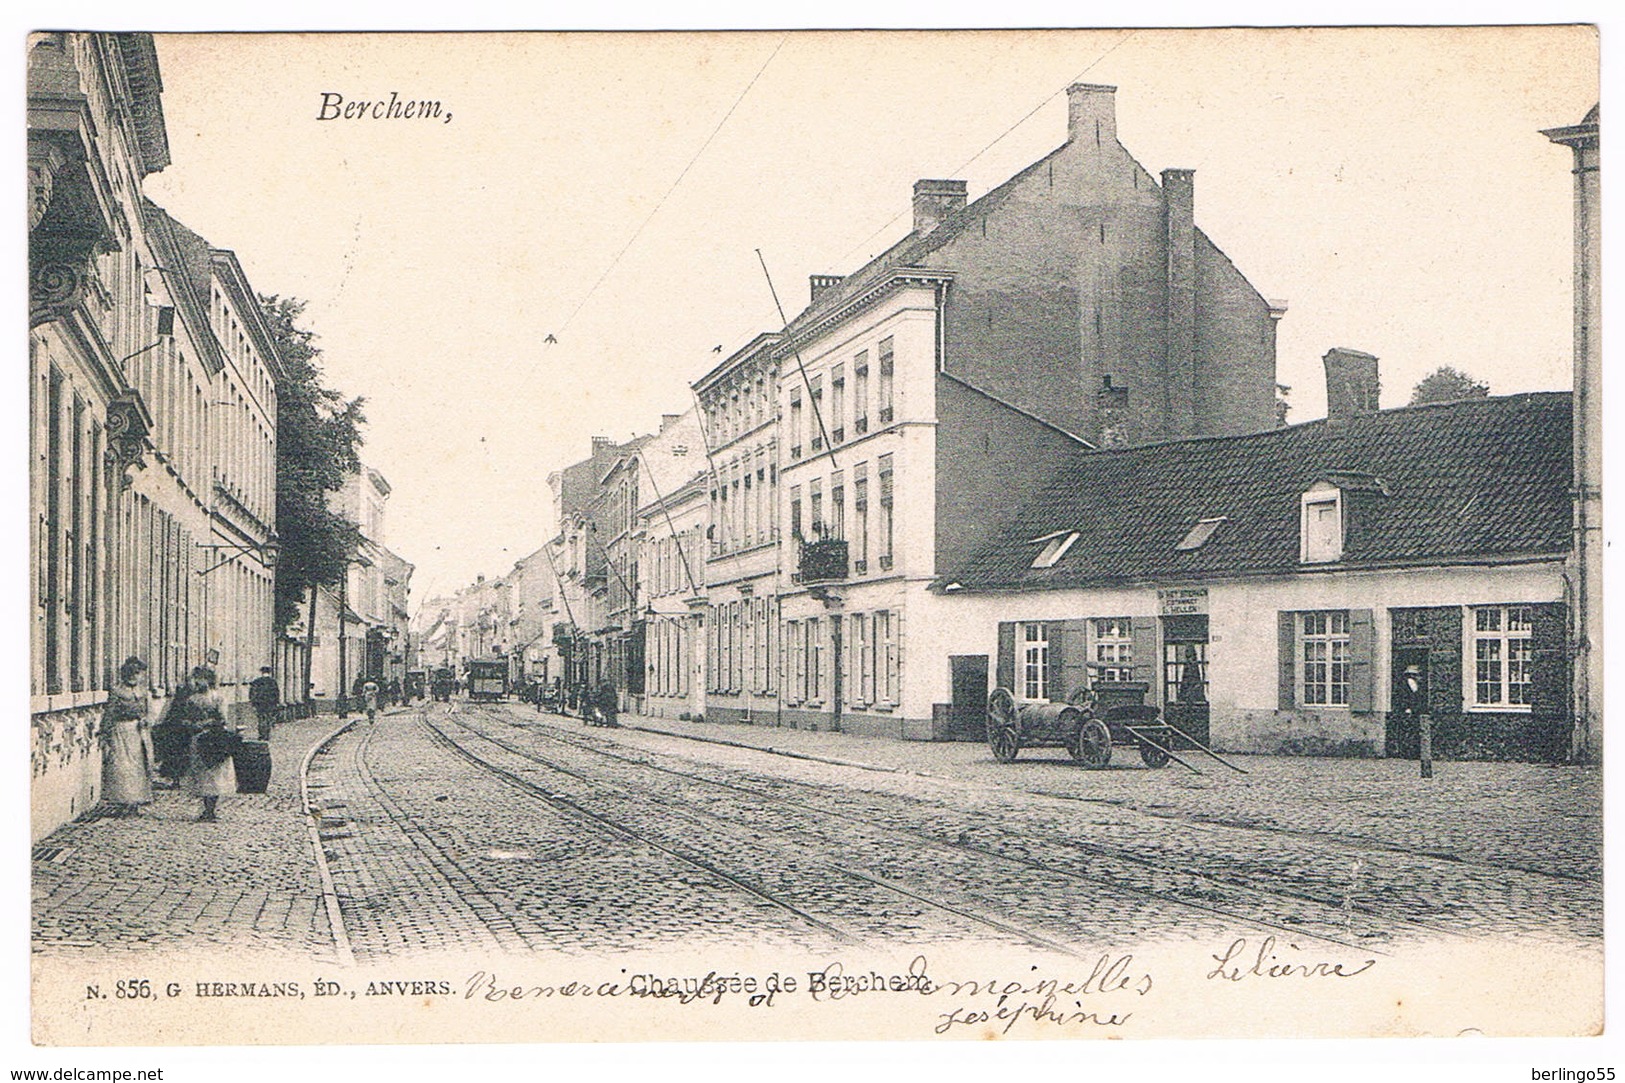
x=1537, y=817
x=248, y=883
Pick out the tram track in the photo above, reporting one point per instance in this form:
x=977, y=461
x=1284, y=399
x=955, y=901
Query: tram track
x=960, y=848
x=1353, y=849
x=1009, y=930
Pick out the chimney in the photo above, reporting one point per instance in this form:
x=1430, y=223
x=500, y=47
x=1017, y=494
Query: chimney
x=1351, y=384
x=601, y=444
x=1179, y=216
x=667, y=420
x=935, y=201
x=1091, y=114
x=820, y=283
x=1112, y=409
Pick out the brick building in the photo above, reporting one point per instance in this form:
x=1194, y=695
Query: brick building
x=927, y=394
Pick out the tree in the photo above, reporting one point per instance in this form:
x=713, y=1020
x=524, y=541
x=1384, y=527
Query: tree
x=318, y=432
x=1445, y=384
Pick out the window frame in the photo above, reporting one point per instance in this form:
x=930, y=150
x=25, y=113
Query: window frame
x=1505, y=636
x=1319, y=496
x=1328, y=635
x=1033, y=660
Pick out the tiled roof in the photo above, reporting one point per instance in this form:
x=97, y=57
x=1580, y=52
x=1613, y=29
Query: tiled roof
x=1484, y=479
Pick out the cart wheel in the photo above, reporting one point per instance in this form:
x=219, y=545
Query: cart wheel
x=1003, y=736
x=1093, y=744
x=1154, y=757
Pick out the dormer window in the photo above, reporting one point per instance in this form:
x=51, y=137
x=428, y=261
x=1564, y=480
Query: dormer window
x=1055, y=547
x=1321, y=525
x=1200, y=533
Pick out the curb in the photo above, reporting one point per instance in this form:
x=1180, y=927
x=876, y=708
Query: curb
x=330, y=896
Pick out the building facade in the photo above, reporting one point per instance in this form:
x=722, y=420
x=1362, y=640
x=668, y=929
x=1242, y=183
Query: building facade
x=362, y=624
x=152, y=407
x=741, y=424
x=926, y=395
x=1271, y=592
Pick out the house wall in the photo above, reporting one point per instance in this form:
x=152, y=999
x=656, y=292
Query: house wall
x=1066, y=278
x=990, y=461
x=1244, y=670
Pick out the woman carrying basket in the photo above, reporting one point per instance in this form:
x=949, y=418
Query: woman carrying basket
x=210, y=773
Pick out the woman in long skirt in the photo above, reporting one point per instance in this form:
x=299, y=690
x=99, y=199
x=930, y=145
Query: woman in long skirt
x=126, y=742
x=210, y=773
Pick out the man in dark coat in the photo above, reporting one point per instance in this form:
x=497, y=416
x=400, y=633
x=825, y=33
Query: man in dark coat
x=265, y=698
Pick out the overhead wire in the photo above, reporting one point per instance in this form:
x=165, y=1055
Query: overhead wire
x=662, y=202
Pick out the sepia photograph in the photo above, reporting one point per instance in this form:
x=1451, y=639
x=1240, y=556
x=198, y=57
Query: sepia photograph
x=814, y=535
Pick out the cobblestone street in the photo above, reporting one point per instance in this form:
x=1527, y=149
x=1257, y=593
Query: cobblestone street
x=498, y=829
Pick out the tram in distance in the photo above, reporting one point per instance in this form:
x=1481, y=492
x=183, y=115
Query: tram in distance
x=487, y=678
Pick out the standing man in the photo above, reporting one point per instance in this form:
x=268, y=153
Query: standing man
x=265, y=698
x=369, y=698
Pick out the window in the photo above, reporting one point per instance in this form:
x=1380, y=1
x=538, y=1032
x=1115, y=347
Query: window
x=818, y=421
x=860, y=511
x=1184, y=673
x=1055, y=547
x=1502, y=654
x=1034, y=662
x=860, y=393
x=885, y=512
x=1113, y=649
x=886, y=365
x=888, y=637
x=862, y=675
x=1199, y=534
x=1323, y=648
x=1321, y=528
x=815, y=495
x=795, y=425
x=795, y=512
x=815, y=659
x=796, y=638
x=837, y=506
x=837, y=404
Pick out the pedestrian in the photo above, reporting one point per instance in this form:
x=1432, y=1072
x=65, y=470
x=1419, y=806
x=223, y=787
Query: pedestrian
x=394, y=693
x=607, y=704
x=265, y=697
x=369, y=699
x=127, y=742
x=210, y=773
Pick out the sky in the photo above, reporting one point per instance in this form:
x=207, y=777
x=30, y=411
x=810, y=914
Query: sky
x=612, y=190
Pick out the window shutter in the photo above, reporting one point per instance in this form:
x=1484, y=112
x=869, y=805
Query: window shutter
x=1055, y=634
x=1287, y=691
x=897, y=687
x=1362, y=646
x=1072, y=668
x=1548, y=636
x=1143, y=630
x=1445, y=646
x=1006, y=671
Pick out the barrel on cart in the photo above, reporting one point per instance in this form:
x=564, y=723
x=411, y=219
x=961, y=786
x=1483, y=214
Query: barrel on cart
x=252, y=760
x=1106, y=714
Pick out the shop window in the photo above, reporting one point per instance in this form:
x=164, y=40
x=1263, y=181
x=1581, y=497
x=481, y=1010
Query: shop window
x=1502, y=652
